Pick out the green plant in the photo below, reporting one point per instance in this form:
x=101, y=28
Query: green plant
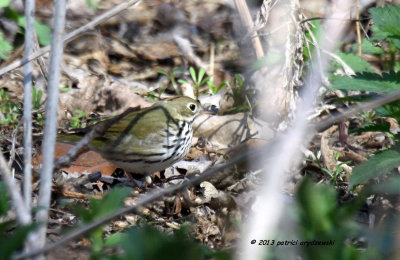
x=215, y=89
x=5, y=47
x=382, y=163
x=172, y=75
x=10, y=112
x=12, y=237
x=148, y=243
x=323, y=220
x=76, y=120
x=93, y=4
x=199, y=79
x=318, y=159
x=241, y=98
x=384, y=30
x=337, y=173
x=37, y=98
x=96, y=209
x=37, y=106
x=43, y=31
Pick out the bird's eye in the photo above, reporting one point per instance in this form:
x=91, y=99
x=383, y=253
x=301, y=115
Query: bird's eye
x=192, y=107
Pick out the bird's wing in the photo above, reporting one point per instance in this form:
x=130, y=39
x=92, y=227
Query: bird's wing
x=133, y=130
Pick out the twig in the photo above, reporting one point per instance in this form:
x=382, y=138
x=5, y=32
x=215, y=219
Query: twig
x=211, y=67
x=332, y=18
x=68, y=37
x=13, y=142
x=346, y=68
x=28, y=68
x=245, y=16
x=41, y=61
x=317, y=49
x=321, y=126
x=23, y=216
x=50, y=122
x=359, y=42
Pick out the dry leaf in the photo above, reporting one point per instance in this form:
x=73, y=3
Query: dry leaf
x=87, y=162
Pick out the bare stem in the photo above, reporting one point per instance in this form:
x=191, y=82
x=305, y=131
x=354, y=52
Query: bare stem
x=23, y=216
x=50, y=123
x=28, y=68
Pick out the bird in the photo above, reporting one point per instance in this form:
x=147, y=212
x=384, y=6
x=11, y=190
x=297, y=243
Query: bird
x=148, y=140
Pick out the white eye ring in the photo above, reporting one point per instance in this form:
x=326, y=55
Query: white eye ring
x=192, y=107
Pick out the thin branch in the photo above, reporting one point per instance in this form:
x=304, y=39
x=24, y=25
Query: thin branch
x=23, y=215
x=325, y=124
x=346, y=68
x=70, y=36
x=359, y=40
x=245, y=16
x=51, y=121
x=28, y=68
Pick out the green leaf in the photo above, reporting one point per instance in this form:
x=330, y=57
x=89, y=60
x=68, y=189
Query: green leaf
x=214, y=89
x=36, y=98
x=43, y=33
x=163, y=72
x=396, y=66
x=10, y=14
x=385, y=83
x=115, y=239
x=182, y=81
x=5, y=48
x=4, y=205
x=4, y=3
x=387, y=19
x=65, y=89
x=386, y=24
x=317, y=202
x=10, y=243
x=193, y=74
x=379, y=164
x=378, y=35
x=320, y=218
x=384, y=127
x=355, y=62
x=367, y=47
x=240, y=80
x=202, y=71
x=98, y=208
x=80, y=113
x=390, y=110
x=149, y=243
x=92, y=4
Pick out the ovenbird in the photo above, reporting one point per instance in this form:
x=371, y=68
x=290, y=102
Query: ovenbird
x=150, y=139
